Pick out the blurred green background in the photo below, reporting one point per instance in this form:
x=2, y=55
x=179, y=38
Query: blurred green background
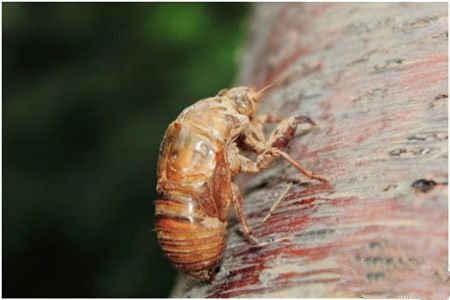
x=88, y=90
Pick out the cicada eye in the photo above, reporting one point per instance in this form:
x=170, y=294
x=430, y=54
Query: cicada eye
x=244, y=104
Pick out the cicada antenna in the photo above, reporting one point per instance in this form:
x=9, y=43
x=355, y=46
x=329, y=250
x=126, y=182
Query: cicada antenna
x=261, y=91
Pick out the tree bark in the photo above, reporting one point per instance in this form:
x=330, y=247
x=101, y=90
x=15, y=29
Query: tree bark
x=374, y=76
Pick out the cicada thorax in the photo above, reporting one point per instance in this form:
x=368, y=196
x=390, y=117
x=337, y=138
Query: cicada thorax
x=193, y=200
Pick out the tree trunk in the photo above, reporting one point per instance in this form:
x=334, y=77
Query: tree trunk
x=374, y=76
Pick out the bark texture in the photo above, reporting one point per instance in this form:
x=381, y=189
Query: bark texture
x=374, y=76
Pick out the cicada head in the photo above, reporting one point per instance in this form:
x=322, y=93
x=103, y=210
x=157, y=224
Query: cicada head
x=245, y=99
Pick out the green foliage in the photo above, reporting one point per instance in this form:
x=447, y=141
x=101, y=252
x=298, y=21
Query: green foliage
x=88, y=90
x=179, y=24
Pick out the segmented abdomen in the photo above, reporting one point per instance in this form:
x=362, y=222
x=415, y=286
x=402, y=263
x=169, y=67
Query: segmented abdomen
x=192, y=240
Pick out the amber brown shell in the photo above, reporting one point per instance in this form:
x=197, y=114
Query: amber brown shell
x=194, y=185
x=193, y=241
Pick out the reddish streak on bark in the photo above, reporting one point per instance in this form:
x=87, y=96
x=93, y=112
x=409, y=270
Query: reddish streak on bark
x=304, y=274
x=424, y=74
x=268, y=289
x=246, y=277
x=320, y=9
x=273, y=73
x=311, y=190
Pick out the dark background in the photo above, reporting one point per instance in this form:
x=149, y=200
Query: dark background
x=88, y=90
